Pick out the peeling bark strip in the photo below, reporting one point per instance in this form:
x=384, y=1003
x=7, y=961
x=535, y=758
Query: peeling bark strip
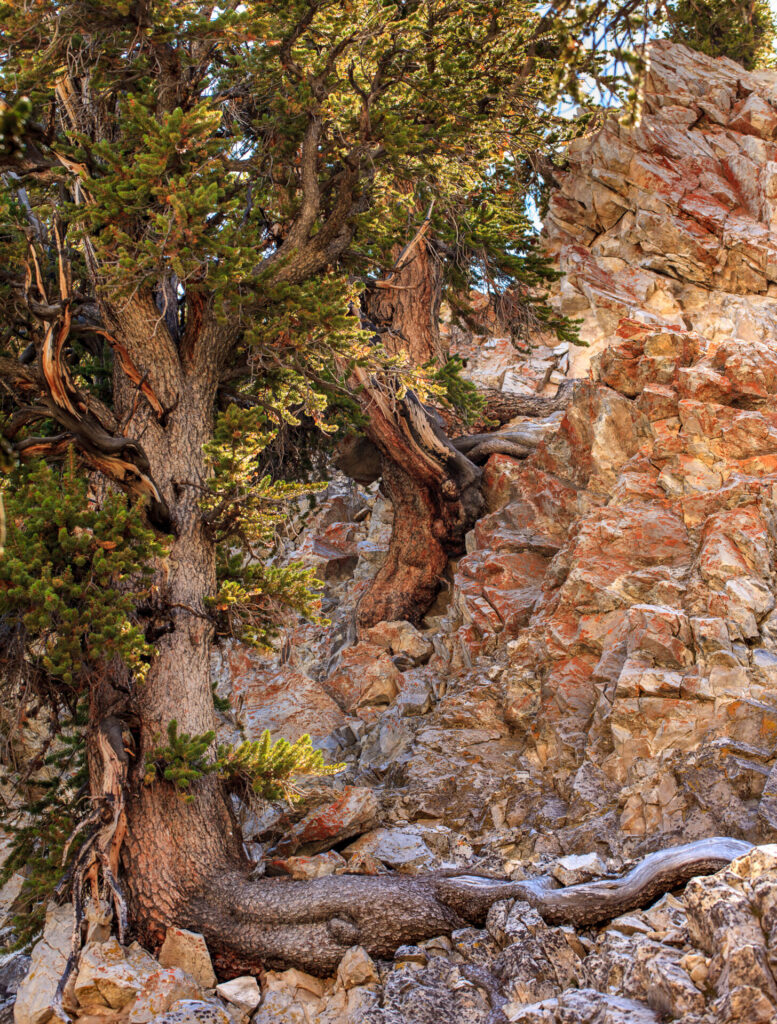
x=88, y=425
x=283, y=923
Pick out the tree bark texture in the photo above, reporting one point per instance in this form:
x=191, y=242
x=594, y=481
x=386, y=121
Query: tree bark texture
x=406, y=309
x=310, y=925
x=435, y=492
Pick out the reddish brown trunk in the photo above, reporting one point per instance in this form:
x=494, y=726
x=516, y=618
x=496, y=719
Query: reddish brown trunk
x=433, y=488
x=406, y=309
x=410, y=577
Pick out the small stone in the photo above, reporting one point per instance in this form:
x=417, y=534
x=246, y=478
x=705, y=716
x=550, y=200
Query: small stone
x=194, y=1011
x=578, y=868
x=188, y=951
x=306, y=868
x=411, y=954
x=105, y=977
x=357, y=968
x=243, y=992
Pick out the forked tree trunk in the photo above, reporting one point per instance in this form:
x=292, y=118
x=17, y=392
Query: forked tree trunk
x=433, y=489
x=183, y=861
x=435, y=493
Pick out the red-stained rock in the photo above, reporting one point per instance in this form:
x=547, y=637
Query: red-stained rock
x=735, y=543
x=366, y=678
x=498, y=591
x=305, y=868
x=349, y=815
x=281, y=699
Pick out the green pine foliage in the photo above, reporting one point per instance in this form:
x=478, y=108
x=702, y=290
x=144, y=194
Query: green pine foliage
x=270, y=769
x=182, y=760
x=245, y=510
x=72, y=575
x=743, y=30
x=70, y=579
x=457, y=392
x=267, y=769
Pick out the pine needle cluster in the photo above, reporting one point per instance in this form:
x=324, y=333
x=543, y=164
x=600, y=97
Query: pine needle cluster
x=265, y=768
x=245, y=510
x=71, y=577
x=743, y=30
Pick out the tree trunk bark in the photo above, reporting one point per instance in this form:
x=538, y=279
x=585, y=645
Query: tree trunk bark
x=434, y=489
x=406, y=309
x=435, y=492
x=410, y=577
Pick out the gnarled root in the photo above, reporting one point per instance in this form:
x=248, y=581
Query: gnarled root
x=279, y=923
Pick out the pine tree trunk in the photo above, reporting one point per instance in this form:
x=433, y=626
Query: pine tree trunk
x=433, y=489
x=182, y=861
x=406, y=309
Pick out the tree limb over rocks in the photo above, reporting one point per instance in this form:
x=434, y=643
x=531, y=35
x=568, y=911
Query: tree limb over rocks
x=282, y=923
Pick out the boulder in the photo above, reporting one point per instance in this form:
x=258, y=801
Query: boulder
x=109, y=975
x=35, y=995
x=357, y=968
x=351, y=813
x=242, y=992
x=576, y=868
x=160, y=990
x=188, y=951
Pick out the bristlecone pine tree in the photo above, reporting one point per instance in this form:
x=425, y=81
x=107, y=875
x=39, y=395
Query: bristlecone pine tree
x=192, y=196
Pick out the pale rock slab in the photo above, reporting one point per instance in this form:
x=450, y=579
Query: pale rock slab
x=189, y=951
x=161, y=989
x=357, y=968
x=243, y=992
x=35, y=996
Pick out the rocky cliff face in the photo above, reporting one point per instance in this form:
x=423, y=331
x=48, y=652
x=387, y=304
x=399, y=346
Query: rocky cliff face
x=602, y=672
x=599, y=677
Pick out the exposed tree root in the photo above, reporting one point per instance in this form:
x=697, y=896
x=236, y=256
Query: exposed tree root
x=281, y=923
x=503, y=406
x=98, y=856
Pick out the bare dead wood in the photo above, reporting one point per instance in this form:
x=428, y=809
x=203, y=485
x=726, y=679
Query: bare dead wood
x=593, y=902
x=87, y=423
x=502, y=406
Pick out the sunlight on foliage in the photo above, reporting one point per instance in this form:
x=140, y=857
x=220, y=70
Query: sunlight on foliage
x=267, y=769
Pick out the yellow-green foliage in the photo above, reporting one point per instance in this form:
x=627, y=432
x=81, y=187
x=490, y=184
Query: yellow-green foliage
x=743, y=30
x=271, y=768
x=245, y=510
x=268, y=769
x=70, y=578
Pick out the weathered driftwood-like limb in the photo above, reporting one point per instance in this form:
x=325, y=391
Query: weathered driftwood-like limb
x=279, y=922
x=592, y=902
x=503, y=406
x=86, y=423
